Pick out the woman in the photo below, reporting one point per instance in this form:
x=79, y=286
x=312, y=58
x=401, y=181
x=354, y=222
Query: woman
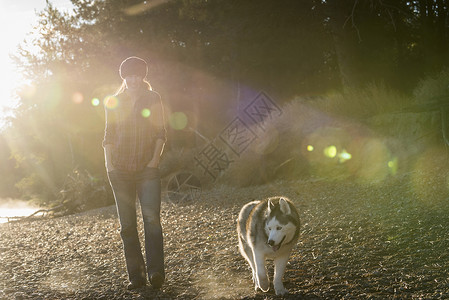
x=134, y=140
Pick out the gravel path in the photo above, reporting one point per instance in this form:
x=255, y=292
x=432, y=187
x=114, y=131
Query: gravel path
x=386, y=240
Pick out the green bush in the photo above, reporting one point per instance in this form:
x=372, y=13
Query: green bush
x=362, y=103
x=327, y=137
x=419, y=123
x=361, y=134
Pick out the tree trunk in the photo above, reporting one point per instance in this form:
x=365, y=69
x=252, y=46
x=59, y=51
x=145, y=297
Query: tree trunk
x=345, y=38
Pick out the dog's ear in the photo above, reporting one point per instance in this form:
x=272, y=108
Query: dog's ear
x=285, y=207
x=270, y=206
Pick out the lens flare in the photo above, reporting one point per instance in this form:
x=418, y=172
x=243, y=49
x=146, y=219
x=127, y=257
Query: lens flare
x=77, y=98
x=95, y=101
x=146, y=112
x=393, y=165
x=178, y=120
x=330, y=151
x=344, y=156
x=110, y=102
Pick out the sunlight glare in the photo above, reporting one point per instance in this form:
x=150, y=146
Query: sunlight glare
x=14, y=208
x=9, y=77
x=27, y=91
x=17, y=19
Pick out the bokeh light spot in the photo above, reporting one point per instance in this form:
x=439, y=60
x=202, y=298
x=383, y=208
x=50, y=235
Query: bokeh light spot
x=110, y=102
x=145, y=112
x=178, y=120
x=344, y=156
x=393, y=165
x=95, y=101
x=310, y=148
x=330, y=151
x=77, y=98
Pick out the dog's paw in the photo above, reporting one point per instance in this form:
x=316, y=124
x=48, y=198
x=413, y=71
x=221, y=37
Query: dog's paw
x=263, y=283
x=280, y=290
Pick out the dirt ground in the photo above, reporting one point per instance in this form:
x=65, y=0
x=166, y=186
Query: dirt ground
x=384, y=240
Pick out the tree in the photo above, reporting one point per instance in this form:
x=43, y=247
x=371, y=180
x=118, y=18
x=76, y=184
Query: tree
x=202, y=54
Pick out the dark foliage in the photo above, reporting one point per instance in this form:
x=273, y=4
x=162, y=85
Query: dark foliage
x=204, y=56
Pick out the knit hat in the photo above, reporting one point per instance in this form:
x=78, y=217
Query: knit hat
x=133, y=66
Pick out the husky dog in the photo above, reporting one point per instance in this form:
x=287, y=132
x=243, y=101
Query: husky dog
x=268, y=229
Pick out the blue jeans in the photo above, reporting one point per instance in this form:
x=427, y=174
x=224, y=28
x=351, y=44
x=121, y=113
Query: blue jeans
x=146, y=185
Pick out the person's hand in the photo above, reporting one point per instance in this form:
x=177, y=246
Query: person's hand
x=154, y=163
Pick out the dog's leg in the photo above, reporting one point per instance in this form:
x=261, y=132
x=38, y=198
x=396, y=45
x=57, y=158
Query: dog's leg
x=250, y=259
x=261, y=272
x=247, y=253
x=280, y=264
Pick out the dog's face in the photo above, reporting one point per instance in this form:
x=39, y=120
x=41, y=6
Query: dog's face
x=278, y=227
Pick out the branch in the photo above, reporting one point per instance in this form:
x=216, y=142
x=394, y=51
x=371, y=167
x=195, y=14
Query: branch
x=351, y=17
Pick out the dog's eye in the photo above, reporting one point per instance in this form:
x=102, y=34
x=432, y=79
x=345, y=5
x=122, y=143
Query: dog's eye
x=279, y=228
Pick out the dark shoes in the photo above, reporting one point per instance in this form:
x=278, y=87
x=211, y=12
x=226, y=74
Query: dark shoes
x=156, y=280
x=136, y=285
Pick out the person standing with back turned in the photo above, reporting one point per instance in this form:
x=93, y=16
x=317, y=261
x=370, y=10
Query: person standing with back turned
x=133, y=143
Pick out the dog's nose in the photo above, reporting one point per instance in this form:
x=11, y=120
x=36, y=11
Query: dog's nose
x=271, y=242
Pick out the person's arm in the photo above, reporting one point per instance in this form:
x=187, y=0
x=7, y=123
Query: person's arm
x=108, y=157
x=160, y=134
x=108, y=141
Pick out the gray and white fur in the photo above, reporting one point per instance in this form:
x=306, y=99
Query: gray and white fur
x=268, y=229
